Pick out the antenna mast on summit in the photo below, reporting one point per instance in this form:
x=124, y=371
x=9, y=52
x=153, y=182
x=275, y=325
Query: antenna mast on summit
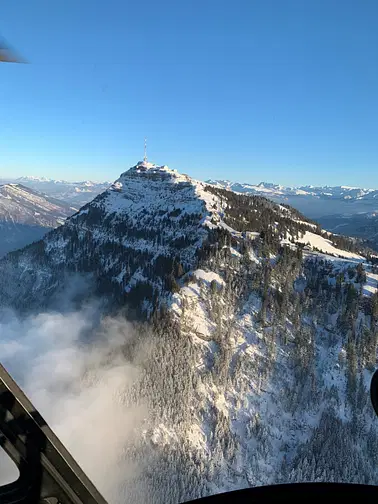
x=145, y=150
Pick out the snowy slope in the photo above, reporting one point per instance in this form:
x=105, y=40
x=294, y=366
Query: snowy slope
x=255, y=415
x=314, y=241
x=21, y=205
x=26, y=215
x=371, y=285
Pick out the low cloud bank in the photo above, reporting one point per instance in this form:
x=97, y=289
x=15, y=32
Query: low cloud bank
x=75, y=374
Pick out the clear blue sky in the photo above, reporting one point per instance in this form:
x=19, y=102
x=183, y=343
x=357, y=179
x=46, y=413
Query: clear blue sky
x=250, y=90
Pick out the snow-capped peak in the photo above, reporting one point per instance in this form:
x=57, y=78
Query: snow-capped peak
x=31, y=178
x=145, y=166
x=151, y=171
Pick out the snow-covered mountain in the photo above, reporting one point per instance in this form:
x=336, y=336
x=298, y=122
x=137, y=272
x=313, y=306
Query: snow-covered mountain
x=161, y=220
x=313, y=201
x=31, y=179
x=26, y=215
x=326, y=192
x=259, y=335
x=22, y=205
x=74, y=193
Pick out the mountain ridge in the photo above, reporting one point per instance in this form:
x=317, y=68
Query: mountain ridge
x=315, y=202
x=340, y=192
x=32, y=178
x=25, y=215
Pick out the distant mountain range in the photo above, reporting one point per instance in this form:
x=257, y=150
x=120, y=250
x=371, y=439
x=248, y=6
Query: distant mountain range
x=311, y=200
x=75, y=193
x=314, y=201
x=26, y=215
x=326, y=192
x=351, y=211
